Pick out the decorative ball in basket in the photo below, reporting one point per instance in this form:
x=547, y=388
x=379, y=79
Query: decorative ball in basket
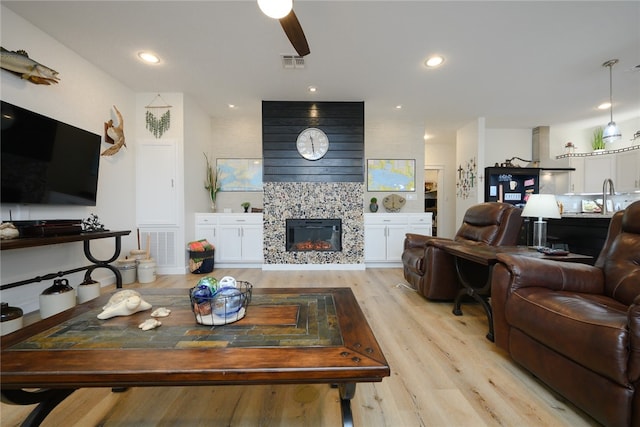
x=219, y=302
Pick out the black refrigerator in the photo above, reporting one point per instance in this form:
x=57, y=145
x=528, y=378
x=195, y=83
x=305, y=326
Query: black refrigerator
x=510, y=185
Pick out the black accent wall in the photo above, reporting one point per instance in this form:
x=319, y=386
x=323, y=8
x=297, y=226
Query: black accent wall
x=343, y=122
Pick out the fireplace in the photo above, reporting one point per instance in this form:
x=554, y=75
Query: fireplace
x=314, y=235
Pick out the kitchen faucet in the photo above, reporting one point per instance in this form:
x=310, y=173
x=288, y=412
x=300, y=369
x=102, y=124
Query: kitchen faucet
x=612, y=192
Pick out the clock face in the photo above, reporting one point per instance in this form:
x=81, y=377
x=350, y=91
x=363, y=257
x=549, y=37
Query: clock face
x=312, y=144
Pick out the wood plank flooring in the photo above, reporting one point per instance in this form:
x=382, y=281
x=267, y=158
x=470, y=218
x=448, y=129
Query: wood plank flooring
x=444, y=372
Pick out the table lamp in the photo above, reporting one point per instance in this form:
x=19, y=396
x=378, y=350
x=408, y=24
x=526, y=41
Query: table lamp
x=541, y=206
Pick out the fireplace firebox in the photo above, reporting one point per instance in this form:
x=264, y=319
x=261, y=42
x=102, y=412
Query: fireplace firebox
x=314, y=235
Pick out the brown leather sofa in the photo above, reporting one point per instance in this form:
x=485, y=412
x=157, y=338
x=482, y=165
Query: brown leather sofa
x=577, y=327
x=431, y=270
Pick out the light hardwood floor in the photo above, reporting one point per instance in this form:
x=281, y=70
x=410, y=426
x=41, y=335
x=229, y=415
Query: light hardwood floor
x=444, y=372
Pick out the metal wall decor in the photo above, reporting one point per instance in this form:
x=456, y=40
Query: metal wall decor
x=157, y=121
x=467, y=178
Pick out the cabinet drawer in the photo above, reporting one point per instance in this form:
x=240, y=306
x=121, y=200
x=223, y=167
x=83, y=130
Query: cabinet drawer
x=420, y=220
x=206, y=219
x=240, y=219
x=377, y=219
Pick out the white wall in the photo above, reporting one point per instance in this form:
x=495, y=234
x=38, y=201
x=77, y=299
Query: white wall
x=443, y=155
x=581, y=132
x=503, y=144
x=396, y=139
x=198, y=138
x=470, y=143
x=84, y=98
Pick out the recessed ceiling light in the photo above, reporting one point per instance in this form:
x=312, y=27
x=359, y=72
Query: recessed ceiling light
x=148, y=57
x=232, y=106
x=398, y=107
x=434, y=61
x=312, y=89
x=604, y=106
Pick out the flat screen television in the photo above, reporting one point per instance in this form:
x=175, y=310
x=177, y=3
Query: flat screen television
x=45, y=161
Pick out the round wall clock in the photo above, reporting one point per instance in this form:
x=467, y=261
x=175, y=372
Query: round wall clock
x=312, y=144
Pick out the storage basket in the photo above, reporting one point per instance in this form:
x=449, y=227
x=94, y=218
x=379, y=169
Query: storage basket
x=227, y=305
x=201, y=262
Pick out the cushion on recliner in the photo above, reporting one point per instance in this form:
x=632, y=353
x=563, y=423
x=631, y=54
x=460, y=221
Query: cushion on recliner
x=590, y=329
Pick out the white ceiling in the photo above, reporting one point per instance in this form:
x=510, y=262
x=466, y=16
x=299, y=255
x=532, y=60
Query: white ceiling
x=518, y=64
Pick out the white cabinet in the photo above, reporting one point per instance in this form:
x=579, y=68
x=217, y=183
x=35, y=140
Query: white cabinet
x=207, y=228
x=576, y=178
x=596, y=170
x=627, y=171
x=238, y=238
x=384, y=235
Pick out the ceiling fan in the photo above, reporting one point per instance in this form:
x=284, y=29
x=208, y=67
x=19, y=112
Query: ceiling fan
x=283, y=11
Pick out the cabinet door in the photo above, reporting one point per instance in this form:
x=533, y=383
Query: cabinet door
x=576, y=178
x=208, y=232
x=627, y=171
x=596, y=170
x=252, y=238
x=156, y=197
x=375, y=242
x=395, y=242
x=229, y=243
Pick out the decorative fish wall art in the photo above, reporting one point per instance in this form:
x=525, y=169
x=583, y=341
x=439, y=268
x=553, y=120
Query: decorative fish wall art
x=19, y=63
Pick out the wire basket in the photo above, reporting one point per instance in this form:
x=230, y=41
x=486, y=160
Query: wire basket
x=226, y=306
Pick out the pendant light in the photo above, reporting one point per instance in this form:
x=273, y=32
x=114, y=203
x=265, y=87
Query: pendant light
x=275, y=9
x=611, y=132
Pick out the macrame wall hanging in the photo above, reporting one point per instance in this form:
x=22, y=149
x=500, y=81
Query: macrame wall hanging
x=158, y=116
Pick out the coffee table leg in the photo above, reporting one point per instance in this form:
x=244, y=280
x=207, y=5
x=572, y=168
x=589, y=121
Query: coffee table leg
x=47, y=399
x=347, y=391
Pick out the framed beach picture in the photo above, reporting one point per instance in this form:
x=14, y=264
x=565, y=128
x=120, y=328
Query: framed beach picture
x=240, y=174
x=391, y=175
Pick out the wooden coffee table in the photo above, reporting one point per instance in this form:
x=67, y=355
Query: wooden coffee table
x=289, y=336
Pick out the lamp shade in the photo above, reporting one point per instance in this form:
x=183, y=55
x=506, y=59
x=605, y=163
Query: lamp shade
x=611, y=133
x=275, y=9
x=541, y=206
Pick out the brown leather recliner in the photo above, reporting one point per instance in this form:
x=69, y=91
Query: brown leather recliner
x=431, y=270
x=577, y=327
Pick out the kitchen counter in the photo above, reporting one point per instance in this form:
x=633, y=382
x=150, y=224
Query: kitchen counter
x=587, y=215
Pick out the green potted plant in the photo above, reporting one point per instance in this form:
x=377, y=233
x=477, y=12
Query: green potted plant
x=245, y=205
x=597, y=143
x=212, y=182
x=373, y=205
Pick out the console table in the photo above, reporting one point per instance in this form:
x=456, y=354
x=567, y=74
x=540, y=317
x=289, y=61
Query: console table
x=85, y=238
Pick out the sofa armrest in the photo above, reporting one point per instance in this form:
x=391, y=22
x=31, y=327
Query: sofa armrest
x=513, y=272
x=419, y=240
x=556, y=275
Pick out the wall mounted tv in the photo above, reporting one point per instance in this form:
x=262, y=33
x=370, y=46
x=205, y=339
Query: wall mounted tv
x=45, y=161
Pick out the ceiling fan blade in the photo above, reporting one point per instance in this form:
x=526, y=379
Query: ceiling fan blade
x=293, y=30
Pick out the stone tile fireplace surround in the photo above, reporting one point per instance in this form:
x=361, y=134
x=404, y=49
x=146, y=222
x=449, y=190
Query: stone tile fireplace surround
x=309, y=200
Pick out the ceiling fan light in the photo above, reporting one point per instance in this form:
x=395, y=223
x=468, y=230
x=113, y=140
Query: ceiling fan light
x=611, y=133
x=275, y=9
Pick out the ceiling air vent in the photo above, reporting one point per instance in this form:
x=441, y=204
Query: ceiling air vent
x=292, y=61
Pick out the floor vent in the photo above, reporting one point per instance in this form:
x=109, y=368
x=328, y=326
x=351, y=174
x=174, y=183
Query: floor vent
x=162, y=244
x=292, y=61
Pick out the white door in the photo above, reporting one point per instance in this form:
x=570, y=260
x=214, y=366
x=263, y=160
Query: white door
x=156, y=184
x=252, y=237
x=229, y=244
x=375, y=243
